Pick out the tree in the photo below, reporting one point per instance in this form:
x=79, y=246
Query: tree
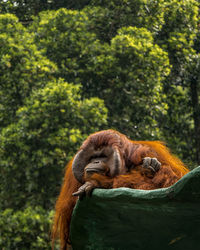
x=24, y=9
x=177, y=37
x=127, y=73
x=49, y=129
x=132, y=70
x=22, y=67
x=63, y=36
x=173, y=25
x=194, y=80
x=25, y=229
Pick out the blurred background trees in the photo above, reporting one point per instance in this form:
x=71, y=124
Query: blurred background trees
x=78, y=67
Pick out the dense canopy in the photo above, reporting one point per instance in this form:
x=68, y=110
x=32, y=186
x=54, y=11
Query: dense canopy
x=70, y=68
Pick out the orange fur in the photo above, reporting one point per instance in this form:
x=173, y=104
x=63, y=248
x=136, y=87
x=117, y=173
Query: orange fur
x=132, y=154
x=64, y=207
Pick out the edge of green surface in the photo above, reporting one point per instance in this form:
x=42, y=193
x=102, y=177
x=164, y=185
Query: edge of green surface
x=186, y=188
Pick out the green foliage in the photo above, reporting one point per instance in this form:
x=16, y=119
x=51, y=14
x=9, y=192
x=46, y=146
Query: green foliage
x=26, y=229
x=173, y=25
x=65, y=39
x=178, y=33
x=135, y=69
x=179, y=124
x=129, y=70
x=135, y=66
x=22, y=67
x=177, y=37
x=24, y=9
x=49, y=129
x=139, y=13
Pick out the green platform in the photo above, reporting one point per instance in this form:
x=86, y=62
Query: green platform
x=123, y=218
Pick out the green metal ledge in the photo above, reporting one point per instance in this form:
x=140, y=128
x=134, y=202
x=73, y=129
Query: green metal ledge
x=123, y=218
